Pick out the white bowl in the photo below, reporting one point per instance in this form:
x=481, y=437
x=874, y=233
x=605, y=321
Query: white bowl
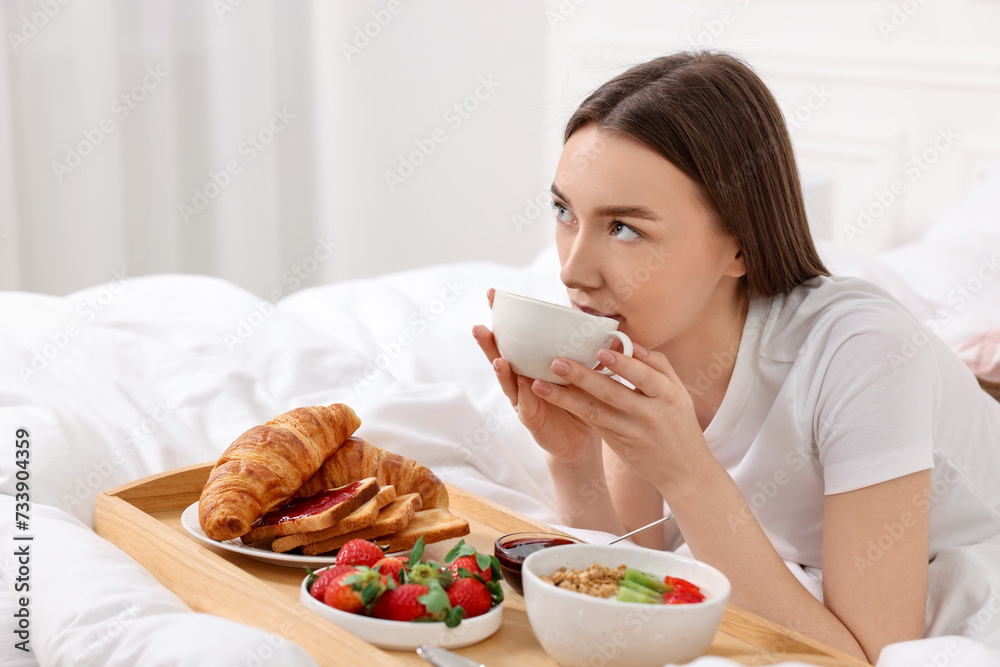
x=402, y=635
x=578, y=629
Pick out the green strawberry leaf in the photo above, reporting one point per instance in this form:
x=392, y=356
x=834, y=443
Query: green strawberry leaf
x=454, y=616
x=435, y=600
x=311, y=578
x=495, y=591
x=459, y=550
x=495, y=569
x=369, y=592
x=418, y=550
x=484, y=561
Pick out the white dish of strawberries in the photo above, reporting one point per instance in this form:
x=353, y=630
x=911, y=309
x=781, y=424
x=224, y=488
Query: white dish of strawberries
x=399, y=603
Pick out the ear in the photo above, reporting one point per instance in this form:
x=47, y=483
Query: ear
x=737, y=266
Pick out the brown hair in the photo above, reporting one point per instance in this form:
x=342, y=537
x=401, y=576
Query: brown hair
x=990, y=387
x=712, y=117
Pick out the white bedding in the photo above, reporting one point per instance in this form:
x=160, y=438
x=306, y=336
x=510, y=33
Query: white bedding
x=147, y=374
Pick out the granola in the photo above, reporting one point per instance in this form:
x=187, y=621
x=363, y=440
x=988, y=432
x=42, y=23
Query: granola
x=597, y=580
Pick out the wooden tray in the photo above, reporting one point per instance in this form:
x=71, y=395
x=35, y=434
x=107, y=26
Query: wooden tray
x=143, y=519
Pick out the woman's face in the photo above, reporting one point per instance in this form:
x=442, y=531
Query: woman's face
x=635, y=241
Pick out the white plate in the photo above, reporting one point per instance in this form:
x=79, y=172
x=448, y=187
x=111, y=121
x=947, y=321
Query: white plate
x=189, y=519
x=404, y=636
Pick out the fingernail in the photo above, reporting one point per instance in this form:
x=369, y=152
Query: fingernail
x=605, y=357
x=639, y=350
x=474, y=334
x=496, y=364
x=520, y=380
x=541, y=388
x=560, y=367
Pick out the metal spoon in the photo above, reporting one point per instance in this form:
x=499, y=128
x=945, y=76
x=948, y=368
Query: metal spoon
x=639, y=530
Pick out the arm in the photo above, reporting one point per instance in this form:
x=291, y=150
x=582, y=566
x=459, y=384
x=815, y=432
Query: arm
x=879, y=593
x=637, y=503
x=703, y=495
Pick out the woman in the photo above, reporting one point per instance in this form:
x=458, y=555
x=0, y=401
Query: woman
x=777, y=411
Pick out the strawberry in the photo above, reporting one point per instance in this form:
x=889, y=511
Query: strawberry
x=355, y=590
x=471, y=563
x=471, y=595
x=391, y=566
x=359, y=552
x=320, y=583
x=464, y=556
x=402, y=604
x=681, y=591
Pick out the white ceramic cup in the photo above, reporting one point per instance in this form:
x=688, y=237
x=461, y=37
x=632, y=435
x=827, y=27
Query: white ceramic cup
x=530, y=334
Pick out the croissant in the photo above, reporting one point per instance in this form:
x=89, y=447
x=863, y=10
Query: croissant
x=265, y=466
x=358, y=459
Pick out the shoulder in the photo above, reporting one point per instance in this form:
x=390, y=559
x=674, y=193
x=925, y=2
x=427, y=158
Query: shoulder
x=824, y=314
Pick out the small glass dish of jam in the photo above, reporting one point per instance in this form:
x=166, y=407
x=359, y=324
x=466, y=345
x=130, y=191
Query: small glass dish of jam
x=513, y=548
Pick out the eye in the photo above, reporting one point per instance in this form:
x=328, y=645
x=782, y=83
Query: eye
x=562, y=213
x=624, y=232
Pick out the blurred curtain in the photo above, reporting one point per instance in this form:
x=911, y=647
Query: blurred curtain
x=162, y=137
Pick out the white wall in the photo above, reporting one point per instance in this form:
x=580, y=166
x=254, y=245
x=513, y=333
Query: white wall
x=868, y=87
x=476, y=196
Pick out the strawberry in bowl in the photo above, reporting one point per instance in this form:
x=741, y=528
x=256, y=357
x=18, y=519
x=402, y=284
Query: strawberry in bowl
x=400, y=603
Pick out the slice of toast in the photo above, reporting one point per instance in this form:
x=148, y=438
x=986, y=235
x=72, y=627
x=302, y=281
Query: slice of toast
x=393, y=518
x=360, y=518
x=314, y=512
x=434, y=524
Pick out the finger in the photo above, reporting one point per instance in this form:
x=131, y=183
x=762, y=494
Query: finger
x=659, y=362
x=484, y=337
x=581, y=402
x=507, y=378
x=490, y=293
x=644, y=376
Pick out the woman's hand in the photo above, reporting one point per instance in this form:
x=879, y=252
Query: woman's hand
x=652, y=428
x=567, y=438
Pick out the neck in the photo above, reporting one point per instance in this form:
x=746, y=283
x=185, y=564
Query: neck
x=704, y=356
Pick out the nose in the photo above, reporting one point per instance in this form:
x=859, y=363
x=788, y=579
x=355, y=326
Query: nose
x=581, y=263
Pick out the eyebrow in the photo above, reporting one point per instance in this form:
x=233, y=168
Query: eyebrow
x=621, y=211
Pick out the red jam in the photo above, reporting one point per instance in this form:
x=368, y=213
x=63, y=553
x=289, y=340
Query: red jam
x=309, y=505
x=512, y=554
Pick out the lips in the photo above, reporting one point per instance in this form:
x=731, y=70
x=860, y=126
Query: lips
x=593, y=311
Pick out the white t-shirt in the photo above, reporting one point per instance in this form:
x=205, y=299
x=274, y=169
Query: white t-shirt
x=836, y=387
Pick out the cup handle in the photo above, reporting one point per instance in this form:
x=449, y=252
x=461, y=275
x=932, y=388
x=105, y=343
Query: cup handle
x=626, y=348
